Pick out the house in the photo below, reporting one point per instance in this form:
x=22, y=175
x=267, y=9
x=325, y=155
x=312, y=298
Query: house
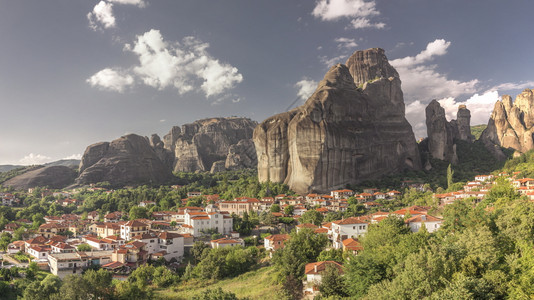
x=352, y=245
x=341, y=194
x=147, y=203
x=10, y=228
x=39, y=252
x=15, y=247
x=346, y=228
x=133, y=253
x=431, y=223
x=198, y=222
x=483, y=178
x=171, y=245
x=113, y=217
x=275, y=241
x=63, y=264
x=50, y=229
x=299, y=210
x=132, y=228
x=306, y=225
x=393, y=194
x=227, y=242
x=61, y=247
x=379, y=195
x=240, y=205
x=194, y=194
x=313, y=272
x=93, y=216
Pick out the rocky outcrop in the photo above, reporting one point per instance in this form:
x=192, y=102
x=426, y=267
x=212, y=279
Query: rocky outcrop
x=128, y=160
x=351, y=129
x=511, y=124
x=241, y=156
x=54, y=177
x=442, y=135
x=198, y=145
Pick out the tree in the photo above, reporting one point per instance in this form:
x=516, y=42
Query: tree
x=84, y=247
x=450, y=174
x=138, y=212
x=198, y=250
x=301, y=248
x=74, y=287
x=99, y=283
x=312, y=216
x=332, y=283
x=288, y=210
x=32, y=270
x=275, y=208
x=332, y=254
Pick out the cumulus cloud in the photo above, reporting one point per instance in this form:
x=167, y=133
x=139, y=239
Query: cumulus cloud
x=346, y=43
x=423, y=82
x=34, y=159
x=361, y=23
x=306, y=87
x=184, y=66
x=102, y=15
x=77, y=156
x=359, y=11
x=139, y=3
x=110, y=79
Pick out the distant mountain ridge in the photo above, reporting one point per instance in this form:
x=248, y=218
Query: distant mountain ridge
x=61, y=162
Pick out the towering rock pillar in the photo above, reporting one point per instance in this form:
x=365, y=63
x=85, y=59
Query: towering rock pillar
x=511, y=124
x=351, y=129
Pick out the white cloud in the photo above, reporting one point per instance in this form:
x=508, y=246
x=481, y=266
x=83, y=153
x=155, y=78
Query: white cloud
x=74, y=156
x=346, y=43
x=102, y=14
x=185, y=66
x=330, y=61
x=513, y=86
x=361, y=23
x=306, y=87
x=34, y=159
x=110, y=79
x=435, y=48
x=423, y=82
x=330, y=10
x=359, y=11
x=139, y=3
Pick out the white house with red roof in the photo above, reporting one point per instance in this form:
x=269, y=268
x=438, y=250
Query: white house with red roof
x=341, y=194
x=132, y=228
x=227, y=242
x=197, y=222
x=346, y=228
x=431, y=223
x=314, y=272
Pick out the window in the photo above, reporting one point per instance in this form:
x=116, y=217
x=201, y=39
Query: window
x=151, y=241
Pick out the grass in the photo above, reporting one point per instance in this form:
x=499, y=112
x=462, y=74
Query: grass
x=257, y=284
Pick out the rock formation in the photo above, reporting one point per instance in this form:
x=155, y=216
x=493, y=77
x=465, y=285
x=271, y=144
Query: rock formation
x=511, y=124
x=198, y=145
x=241, y=156
x=351, y=129
x=54, y=177
x=127, y=160
x=442, y=135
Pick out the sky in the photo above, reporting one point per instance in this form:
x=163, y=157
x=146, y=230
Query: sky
x=77, y=72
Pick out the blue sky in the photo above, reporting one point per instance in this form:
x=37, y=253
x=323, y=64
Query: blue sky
x=76, y=72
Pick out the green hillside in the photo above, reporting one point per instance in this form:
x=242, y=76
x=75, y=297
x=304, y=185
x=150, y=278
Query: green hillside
x=477, y=130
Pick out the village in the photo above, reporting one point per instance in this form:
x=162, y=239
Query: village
x=70, y=243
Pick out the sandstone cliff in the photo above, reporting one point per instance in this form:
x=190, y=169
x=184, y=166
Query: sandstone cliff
x=351, y=129
x=511, y=124
x=197, y=146
x=442, y=135
x=127, y=160
x=54, y=177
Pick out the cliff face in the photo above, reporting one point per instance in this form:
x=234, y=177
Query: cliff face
x=443, y=134
x=342, y=134
x=511, y=124
x=127, y=160
x=197, y=146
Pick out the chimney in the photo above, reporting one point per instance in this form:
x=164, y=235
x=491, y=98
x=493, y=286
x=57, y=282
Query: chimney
x=315, y=268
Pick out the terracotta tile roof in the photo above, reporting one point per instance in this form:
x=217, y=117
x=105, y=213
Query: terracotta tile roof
x=278, y=237
x=351, y=220
x=318, y=267
x=422, y=218
x=135, y=223
x=352, y=244
x=321, y=230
